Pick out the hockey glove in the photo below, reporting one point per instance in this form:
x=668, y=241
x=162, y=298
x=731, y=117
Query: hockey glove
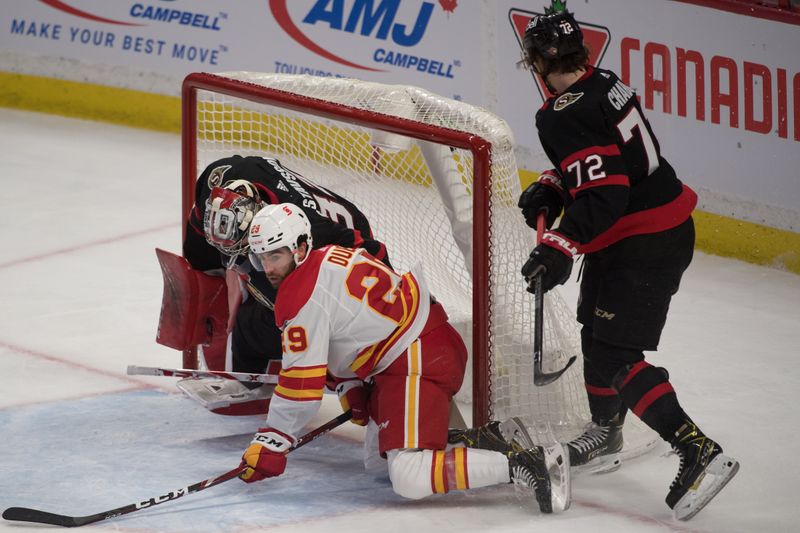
x=266, y=455
x=545, y=194
x=552, y=259
x=354, y=395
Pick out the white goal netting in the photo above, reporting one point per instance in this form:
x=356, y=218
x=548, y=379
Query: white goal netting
x=392, y=151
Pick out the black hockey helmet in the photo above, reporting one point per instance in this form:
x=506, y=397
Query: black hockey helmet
x=552, y=35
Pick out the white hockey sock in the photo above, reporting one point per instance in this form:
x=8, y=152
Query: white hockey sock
x=419, y=473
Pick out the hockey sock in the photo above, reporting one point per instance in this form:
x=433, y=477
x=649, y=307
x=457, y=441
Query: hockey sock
x=604, y=402
x=419, y=473
x=462, y=468
x=646, y=390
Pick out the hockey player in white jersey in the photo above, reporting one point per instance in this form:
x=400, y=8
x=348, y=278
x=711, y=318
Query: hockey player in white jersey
x=394, y=358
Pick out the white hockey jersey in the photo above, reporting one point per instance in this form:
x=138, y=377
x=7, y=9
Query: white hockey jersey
x=345, y=312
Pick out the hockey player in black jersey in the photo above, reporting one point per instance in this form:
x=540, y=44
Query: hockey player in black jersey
x=625, y=209
x=228, y=194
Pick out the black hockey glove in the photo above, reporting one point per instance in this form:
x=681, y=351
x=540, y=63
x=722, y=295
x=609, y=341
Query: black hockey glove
x=552, y=258
x=545, y=194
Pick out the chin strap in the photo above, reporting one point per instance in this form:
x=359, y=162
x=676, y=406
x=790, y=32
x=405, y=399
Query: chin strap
x=543, y=75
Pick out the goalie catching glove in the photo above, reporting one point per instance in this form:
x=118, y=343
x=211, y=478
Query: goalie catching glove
x=266, y=455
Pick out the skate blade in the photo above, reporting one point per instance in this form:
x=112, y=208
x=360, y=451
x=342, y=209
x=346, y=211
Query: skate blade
x=513, y=431
x=603, y=464
x=718, y=473
x=556, y=458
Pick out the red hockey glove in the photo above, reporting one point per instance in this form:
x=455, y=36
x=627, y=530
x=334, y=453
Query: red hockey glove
x=266, y=455
x=354, y=395
x=545, y=194
x=552, y=258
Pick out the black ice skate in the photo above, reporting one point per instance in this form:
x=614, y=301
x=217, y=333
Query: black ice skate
x=597, y=449
x=545, y=472
x=704, y=470
x=506, y=437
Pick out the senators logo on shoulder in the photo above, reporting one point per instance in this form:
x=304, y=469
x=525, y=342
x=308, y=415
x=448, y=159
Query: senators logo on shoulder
x=566, y=99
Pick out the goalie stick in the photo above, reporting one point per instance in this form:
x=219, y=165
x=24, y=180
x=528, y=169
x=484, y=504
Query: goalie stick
x=540, y=378
x=25, y=514
x=269, y=378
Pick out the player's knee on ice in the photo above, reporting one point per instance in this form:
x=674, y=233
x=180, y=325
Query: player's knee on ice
x=410, y=472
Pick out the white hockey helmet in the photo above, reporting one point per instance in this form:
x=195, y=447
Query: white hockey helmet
x=229, y=210
x=277, y=226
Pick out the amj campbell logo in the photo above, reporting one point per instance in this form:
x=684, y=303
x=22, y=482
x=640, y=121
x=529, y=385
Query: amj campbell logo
x=377, y=19
x=146, y=11
x=596, y=38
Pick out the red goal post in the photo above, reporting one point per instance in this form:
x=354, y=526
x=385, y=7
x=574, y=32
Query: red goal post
x=383, y=145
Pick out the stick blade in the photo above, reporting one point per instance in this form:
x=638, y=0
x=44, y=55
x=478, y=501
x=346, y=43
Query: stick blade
x=134, y=370
x=540, y=378
x=23, y=514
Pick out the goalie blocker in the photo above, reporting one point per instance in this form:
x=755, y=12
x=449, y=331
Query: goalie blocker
x=194, y=314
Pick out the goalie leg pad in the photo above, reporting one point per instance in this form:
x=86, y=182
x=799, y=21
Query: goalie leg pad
x=194, y=305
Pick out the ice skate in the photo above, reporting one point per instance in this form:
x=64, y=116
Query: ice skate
x=545, y=472
x=598, y=449
x=506, y=437
x=704, y=470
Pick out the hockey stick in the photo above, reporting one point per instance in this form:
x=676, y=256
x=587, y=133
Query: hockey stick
x=269, y=378
x=42, y=517
x=540, y=378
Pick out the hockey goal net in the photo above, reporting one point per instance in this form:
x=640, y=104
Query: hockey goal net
x=438, y=180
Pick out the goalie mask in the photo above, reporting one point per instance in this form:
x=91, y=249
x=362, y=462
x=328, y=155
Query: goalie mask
x=278, y=226
x=229, y=211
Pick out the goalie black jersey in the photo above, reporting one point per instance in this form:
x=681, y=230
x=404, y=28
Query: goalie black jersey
x=615, y=180
x=334, y=219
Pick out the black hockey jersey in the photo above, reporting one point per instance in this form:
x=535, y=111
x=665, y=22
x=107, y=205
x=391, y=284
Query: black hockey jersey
x=615, y=180
x=334, y=219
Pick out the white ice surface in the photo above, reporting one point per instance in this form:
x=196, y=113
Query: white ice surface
x=83, y=205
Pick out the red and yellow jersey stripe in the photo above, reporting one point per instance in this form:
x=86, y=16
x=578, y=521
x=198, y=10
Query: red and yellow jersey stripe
x=302, y=383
